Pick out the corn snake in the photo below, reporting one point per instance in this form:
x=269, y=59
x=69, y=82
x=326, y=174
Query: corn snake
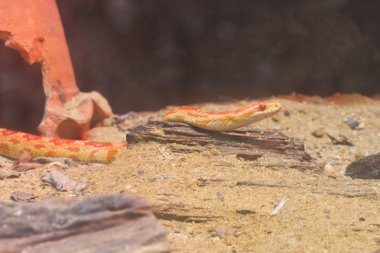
x=12, y=143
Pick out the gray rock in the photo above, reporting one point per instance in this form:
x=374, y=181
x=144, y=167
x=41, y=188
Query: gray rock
x=365, y=168
x=352, y=122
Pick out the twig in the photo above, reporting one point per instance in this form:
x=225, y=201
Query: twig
x=280, y=205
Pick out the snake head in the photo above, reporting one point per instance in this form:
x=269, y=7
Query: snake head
x=269, y=107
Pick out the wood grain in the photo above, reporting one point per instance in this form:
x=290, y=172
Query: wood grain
x=113, y=223
x=269, y=148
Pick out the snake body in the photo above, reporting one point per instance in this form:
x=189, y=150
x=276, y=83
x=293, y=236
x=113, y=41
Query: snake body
x=223, y=121
x=12, y=143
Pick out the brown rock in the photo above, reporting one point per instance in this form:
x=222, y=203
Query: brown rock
x=319, y=132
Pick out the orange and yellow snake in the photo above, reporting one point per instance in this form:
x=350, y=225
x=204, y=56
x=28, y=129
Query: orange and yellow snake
x=12, y=143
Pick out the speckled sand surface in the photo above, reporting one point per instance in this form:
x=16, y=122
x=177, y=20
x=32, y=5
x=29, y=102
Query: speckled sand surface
x=209, y=212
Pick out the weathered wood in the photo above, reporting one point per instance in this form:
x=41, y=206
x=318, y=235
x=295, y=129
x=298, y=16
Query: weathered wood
x=61, y=182
x=252, y=145
x=20, y=196
x=113, y=223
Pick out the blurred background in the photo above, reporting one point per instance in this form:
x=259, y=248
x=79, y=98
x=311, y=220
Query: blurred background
x=144, y=55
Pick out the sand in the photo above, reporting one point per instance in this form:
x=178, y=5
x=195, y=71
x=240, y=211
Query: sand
x=199, y=200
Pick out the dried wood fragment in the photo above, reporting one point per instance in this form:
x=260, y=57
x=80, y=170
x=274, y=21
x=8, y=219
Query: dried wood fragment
x=252, y=183
x=113, y=223
x=269, y=148
x=280, y=205
x=63, y=183
x=20, y=196
x=340, y=140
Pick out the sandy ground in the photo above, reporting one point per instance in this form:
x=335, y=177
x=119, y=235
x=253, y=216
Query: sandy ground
x=204, y=209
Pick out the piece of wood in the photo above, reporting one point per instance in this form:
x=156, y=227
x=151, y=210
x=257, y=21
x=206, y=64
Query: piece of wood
x=61, y=182
x=269, y=148
x=113, y=223
x=20, y=196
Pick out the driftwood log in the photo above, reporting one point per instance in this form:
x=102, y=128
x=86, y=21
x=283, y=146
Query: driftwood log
x=113, y=223
x=267, y=148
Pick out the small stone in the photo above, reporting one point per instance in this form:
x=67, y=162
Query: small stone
x=286, y=113
x=275, y=118
x=352, y=122
x=297, y=226
x=222, y=232
x=128, y=187
x=330, y=171
x=319, y=132
x=220, y=196
x=361, y=126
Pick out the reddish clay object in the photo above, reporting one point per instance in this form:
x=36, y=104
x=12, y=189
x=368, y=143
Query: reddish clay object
x=34, y=29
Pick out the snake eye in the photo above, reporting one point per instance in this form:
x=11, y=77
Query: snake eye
x=262, y=107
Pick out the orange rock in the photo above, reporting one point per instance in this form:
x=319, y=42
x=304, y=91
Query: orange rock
x=34, y=29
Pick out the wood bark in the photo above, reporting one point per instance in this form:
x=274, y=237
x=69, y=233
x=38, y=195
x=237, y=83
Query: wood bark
x=113, y=223
x=268, y=148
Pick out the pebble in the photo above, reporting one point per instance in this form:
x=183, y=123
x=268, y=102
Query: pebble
x=331, y=171
x=220, y=196
x=352, y=122
x=319, y=132
x=361, y=126
x=275, y=119
x=222, y=232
